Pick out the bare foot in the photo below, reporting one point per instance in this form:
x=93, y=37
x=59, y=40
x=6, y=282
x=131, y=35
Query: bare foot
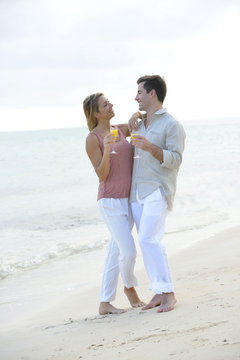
x=133, y=297
x=168, y=302
x=156, y=300
x=107, y=308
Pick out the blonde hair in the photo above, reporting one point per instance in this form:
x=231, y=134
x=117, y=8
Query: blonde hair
x=90, y=107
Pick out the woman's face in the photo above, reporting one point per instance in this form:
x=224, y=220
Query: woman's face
x=105, y=109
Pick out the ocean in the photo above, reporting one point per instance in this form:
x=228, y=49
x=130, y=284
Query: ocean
x=50, y=227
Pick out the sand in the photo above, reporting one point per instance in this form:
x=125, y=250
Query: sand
x=203, y=325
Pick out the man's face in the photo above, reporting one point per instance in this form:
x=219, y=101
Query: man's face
x=142, y=97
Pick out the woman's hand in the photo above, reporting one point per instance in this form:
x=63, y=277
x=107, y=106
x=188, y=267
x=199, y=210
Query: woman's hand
x=133, y=121
x=108, y=140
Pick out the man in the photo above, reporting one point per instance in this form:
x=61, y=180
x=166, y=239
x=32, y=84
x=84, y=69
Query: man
x=159, y=144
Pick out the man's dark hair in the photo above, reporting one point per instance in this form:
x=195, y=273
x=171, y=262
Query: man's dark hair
x=154, y=82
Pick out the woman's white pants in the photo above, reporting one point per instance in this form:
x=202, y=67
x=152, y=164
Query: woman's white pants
x=121, y=252
x=150, y=215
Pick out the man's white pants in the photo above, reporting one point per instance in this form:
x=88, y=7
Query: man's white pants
x=150, y=215
x=121, y=252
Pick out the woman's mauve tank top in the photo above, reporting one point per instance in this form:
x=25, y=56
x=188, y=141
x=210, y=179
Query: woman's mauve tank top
x=118, y=182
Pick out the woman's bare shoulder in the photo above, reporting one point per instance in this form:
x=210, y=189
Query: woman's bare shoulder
x=91, y=140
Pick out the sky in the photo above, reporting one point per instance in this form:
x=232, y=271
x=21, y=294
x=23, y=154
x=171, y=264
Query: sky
x=54, y=53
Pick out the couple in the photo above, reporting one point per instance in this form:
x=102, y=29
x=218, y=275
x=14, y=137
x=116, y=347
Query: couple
x=149, y=183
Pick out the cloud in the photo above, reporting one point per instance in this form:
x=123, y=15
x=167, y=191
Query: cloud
x=57, y=33
x=54, y=52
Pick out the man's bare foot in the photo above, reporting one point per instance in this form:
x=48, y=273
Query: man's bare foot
x=107, y=308
x=168, y=302
x=156, y=300
x=133, y=297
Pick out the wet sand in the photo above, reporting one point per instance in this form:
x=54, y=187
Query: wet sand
x=203, y=325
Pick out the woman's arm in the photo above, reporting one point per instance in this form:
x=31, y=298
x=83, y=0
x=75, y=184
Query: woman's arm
x=124, y=129
x=133, y=121
x=100, y=162
x=132, y=124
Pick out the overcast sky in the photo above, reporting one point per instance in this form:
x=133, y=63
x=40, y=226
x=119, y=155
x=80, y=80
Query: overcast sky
x=53, y=53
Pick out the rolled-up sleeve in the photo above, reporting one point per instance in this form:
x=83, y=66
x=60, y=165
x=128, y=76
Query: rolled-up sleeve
x=172, y=154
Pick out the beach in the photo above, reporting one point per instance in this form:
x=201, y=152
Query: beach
x=53, y=246
x=204, y=323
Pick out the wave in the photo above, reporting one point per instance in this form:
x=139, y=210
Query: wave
x=62, y=252
x=212, y=220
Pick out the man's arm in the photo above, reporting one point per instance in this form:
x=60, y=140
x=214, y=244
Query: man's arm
x=142, y=143
x=171, y=157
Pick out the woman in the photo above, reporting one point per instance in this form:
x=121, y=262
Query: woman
x=114, y=171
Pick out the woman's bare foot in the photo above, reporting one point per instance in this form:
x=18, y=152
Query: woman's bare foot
x=107, y=308
x=168, y=302
x=133, y=297
x=156, y=300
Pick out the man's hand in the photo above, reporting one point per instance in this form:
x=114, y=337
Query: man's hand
x=142, y=143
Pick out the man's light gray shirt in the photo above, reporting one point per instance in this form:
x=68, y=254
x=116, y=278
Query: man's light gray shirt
x=148, y=173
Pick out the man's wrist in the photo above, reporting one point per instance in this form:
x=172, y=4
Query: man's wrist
x=156, y=152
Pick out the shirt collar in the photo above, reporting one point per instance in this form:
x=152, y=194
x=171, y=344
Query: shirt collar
x=160, y=112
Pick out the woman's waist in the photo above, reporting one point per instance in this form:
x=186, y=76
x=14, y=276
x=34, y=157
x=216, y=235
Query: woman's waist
x=115, y=189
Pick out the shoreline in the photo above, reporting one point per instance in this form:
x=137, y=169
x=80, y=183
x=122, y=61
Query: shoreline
x=37, y=288
x=203, y=325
